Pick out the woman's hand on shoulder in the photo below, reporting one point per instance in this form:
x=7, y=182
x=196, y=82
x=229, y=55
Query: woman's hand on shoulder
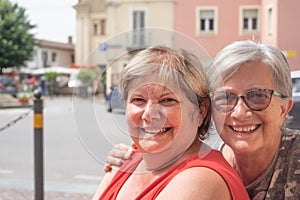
x=196, y=183
x=117, y=156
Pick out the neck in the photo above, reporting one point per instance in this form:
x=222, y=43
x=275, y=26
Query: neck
x=249, y=166
x=164, y=160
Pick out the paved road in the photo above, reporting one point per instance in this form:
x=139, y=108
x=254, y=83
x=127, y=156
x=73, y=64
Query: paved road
x=75, y=147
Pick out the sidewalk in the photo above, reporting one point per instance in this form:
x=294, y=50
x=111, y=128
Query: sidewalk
x=14, y=194
x=7, y=101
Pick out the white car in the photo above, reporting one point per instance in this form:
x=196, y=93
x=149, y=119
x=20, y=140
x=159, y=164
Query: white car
x=295, y=112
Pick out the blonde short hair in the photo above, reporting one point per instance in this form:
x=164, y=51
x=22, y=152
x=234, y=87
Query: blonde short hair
x=179, y=67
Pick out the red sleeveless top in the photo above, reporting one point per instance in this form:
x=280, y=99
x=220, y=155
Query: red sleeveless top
x=213, y=160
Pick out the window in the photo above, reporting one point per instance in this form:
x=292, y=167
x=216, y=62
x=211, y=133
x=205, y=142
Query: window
x=270, y=22
x=138, y=19
x=99, y=27
x=95, y=28
x=206, y=20
x=53, y=57
x=250, y=20
x=45, y=58
x=102, y=27
x=138, y=27
x=72, y=58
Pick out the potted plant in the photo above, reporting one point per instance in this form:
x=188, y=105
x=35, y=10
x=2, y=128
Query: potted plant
x=24, y=97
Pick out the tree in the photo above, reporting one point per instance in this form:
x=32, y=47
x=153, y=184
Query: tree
x=16, y=41
x=51, y=81
x=87, y=76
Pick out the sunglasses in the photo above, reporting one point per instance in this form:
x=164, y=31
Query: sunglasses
x=256, y=99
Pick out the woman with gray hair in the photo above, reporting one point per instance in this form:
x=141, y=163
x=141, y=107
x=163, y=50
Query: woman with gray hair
x=251, y=95
x=168, y=114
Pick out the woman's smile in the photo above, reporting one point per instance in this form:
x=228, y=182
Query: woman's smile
x=155, y=131
x=245, y=129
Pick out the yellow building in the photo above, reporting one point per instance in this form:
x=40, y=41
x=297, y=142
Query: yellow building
x=109, y=32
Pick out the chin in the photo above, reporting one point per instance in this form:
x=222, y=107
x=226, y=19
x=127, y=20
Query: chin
x=149, y=148
x=242, y=147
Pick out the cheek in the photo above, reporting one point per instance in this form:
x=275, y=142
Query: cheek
x=133, y=115
x=174, y=116
x=272, y=117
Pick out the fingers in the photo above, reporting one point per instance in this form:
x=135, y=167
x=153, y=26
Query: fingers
x=113, y=161
x=117, y=156
x=133, y=145
x=107, y=168
x=121, y=147
x=121, y=151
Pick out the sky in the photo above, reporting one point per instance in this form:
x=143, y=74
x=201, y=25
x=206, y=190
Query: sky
x=55, y=19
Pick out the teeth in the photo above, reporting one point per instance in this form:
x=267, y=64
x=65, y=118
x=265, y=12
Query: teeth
x=244, y=129
x=156, y=131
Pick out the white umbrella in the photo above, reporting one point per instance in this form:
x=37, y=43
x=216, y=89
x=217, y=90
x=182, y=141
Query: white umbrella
x=59, y=70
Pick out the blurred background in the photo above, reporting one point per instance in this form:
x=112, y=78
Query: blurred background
x=72, y=51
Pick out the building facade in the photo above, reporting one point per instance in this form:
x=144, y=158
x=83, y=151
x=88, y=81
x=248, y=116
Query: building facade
x=49, y=54
x=212, y=24
x=108, y=29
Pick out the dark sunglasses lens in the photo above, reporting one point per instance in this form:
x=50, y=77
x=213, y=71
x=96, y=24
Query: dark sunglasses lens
x=258, y=99
x=223, y=101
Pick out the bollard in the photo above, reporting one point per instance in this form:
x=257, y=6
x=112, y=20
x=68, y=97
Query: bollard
x=38, y=146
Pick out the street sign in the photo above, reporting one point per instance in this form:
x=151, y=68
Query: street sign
x=105, y=46
x=290, y=53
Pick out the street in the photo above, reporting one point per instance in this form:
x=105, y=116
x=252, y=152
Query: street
x=74, y=145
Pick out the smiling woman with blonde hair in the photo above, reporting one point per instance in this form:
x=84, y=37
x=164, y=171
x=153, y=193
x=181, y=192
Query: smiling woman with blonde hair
x=168, y=114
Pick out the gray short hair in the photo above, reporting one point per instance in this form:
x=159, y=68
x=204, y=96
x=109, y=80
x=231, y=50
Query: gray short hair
x=228, y=60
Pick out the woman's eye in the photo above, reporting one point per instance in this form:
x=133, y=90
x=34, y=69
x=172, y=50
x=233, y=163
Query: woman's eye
x=137, y=101
x=167, y=101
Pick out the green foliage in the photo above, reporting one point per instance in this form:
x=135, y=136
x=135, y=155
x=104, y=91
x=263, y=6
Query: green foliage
x=87, y=76
x=51, y=76
x=16, y=41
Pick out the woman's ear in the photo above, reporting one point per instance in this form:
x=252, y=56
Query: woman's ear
x=286, y=107
x=203, y=109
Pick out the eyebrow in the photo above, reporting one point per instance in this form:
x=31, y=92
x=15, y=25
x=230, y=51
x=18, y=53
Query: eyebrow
x=167, y=93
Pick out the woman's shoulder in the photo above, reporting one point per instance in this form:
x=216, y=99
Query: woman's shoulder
x=104, y=183
x=289, y=149
x=286, y=179
x=291, y=133
x=290, y=142
x=212, y=172
x=194, y=182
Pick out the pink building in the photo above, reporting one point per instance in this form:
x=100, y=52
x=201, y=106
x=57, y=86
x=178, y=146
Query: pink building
x=216, y=23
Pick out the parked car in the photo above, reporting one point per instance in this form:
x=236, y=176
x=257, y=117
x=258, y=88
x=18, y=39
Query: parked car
x=295, y=112
x=114, y=101
x=8, y=85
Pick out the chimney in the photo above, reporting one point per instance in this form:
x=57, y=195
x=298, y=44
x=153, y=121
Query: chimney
x=70, y=40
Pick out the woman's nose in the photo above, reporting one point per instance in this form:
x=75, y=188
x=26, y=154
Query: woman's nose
x=240, y=110
x=152, y=111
